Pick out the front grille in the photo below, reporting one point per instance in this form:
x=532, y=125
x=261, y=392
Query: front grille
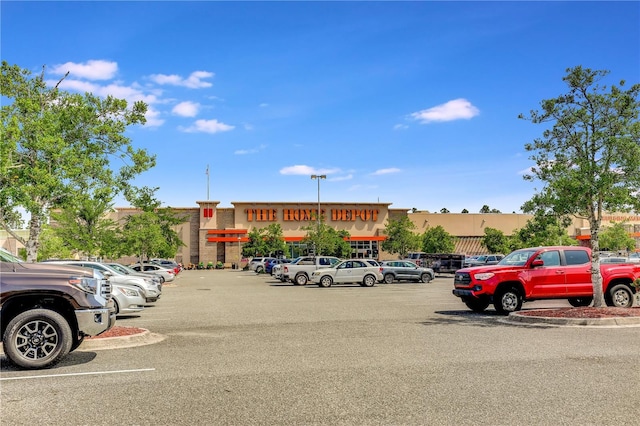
x=462, y=278
x=105, y=289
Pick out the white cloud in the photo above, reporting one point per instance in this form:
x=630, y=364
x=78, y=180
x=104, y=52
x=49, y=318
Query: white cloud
x=250, y=151
x=264, y=105
x=186, y=109
x=91, y=70
x=400, y=127
x=207, y=126
x=306, y=170
x=194, y=81
x=453, y=110
x=341, y=178
x=385, y=171
x=153, y=118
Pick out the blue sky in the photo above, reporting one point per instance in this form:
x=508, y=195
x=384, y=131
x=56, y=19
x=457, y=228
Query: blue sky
x=409, y=103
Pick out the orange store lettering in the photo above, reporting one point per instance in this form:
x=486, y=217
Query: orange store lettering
x=305, y=215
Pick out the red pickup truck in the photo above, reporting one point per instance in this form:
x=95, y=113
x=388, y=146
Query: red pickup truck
x=543, y=273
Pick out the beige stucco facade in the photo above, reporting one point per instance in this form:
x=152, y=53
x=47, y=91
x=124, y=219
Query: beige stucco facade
x=212, y=233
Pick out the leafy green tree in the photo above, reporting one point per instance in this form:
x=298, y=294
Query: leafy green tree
x=52, y=246
x=83, y=226
x=464, y=211
x=444, y=210
x=400, y=237
x=487, y=209
x=326, y=240
x=256, y=244
x=543, y=230
x=588, y=157
x=437, y=240
x=151, y=232
x=57, y=145
x=495, y=241
x=616, y=237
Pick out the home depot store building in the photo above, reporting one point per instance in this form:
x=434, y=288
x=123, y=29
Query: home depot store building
x=212, y=233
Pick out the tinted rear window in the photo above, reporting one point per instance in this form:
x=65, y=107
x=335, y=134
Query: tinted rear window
x=576, y=257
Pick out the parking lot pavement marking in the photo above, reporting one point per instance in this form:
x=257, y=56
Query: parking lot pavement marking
x=78, y=374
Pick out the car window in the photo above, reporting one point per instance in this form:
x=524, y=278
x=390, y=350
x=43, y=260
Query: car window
x=550, y=258
x=576, y=257
x=324, y=261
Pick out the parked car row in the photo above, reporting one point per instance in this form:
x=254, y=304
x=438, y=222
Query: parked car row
x=132, y=289
x=326, y=270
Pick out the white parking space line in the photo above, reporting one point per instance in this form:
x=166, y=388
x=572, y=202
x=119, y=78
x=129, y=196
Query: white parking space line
x=78, y=374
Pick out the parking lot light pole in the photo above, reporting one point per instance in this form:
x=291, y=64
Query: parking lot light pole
x=239, y=253
x=318, y=177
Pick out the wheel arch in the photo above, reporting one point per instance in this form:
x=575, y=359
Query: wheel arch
x=16, y=305
x=510, y=284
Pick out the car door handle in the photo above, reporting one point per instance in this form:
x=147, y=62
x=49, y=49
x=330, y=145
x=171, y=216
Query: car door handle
x=559, y=272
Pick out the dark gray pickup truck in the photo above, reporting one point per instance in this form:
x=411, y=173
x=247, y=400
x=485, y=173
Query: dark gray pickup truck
x=46, y=310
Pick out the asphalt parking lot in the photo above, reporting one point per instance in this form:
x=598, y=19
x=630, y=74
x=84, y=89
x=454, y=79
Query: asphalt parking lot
x=244, y=349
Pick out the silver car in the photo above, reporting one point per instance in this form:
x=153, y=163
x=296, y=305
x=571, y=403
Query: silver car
x=150, y=287
x=397, y=270
x=127, y=299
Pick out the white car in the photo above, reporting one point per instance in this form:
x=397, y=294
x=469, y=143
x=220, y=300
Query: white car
x=348, y=271
x=167, y=273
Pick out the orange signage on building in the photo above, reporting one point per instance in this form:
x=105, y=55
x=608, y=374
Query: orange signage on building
x=306, y=215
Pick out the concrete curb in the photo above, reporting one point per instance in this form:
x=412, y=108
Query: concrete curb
x=119, y=342
x=518, y=318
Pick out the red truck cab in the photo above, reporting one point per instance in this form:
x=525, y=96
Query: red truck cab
x=559, y=272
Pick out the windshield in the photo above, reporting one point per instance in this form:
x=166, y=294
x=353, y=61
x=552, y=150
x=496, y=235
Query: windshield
x=517, y=258
x=124, y=269
x=5, y=256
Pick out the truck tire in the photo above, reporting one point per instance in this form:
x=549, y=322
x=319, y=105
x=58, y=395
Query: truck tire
x=301, y=279
x=577, y=302
x=369, y=281
x=37, y=338
x=425, y=278
x=507, y=300
x=476, y=305
x=389, y=278
x=259, y=270
x=621, y=296
x=325, y=281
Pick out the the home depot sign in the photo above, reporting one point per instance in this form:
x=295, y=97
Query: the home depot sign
x=306, y=215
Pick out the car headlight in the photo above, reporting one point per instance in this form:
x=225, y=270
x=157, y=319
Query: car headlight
x=483, y=276
x=128, y=291
x=88, y=285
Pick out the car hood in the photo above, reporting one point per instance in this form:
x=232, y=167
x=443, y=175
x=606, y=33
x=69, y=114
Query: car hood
x=50, y=268
x=490, y=268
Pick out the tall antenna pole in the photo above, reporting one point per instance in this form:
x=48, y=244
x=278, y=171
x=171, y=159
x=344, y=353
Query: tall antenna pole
x=207, y=173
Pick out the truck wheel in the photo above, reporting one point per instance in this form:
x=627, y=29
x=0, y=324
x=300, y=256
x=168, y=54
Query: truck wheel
x=37, y=338
x=621, y=296
x=576, y=302
x=507, y=300
x=325, y=281
x=389, y=278
x=301, y=279
x=259, y=270
x=476, y=305
x=369, y=281
x=115, y=304
x=425, y=278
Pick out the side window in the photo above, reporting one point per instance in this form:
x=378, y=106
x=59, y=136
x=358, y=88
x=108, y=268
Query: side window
x=551, y=258
x=576, y=257
x=333, y=261
x=324, y=261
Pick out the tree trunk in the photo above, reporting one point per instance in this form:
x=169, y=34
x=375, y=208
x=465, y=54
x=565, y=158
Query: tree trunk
x=33, y=243
x=596, y=276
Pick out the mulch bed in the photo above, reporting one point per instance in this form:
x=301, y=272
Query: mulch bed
x=117, y=331
x=584, y=312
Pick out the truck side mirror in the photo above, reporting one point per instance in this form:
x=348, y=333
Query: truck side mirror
x=537, y=262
